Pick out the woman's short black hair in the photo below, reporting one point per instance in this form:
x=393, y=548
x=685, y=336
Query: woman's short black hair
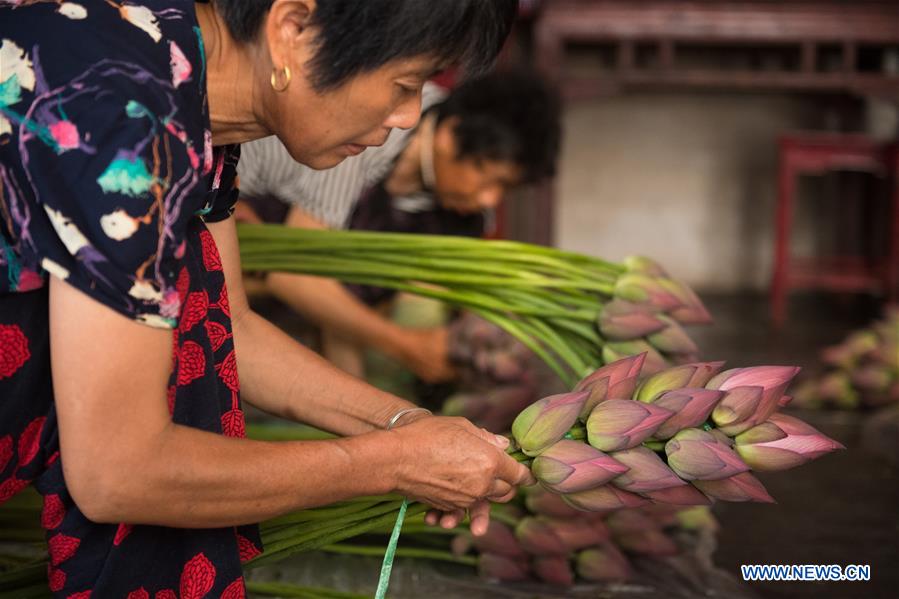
x=361, y=35
x=507, y=116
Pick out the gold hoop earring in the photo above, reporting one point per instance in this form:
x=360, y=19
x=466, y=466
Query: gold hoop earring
x=274, y=80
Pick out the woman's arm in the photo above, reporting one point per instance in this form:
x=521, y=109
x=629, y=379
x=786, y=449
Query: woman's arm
x=124, y=459
x=327, y=303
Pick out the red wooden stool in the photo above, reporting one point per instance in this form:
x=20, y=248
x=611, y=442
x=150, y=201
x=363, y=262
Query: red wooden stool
x=818, y=153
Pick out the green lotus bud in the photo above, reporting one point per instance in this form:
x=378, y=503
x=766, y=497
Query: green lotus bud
x=622, y=423
x=547, y=420
x=603, y=564
x=554, y=570
x=537, y=537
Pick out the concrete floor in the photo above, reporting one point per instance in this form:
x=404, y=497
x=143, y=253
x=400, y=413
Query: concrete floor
x=842, y=509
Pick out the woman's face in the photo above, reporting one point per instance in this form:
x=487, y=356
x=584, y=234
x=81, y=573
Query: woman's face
x=320, y=129
x=469, y=185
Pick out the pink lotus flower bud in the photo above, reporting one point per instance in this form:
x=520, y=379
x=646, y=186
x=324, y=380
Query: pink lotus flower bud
x=547, y=420
x=672, y=339
x=579, y=533
x=620, y=320
x=623, y=423
x=503, y=366
x=772, y=379
x=571, y=466
x=653, y=361
x=646, y=289
x=502, y=568
x=647, y=542
x=691, y=310
x=603, y=564
x=606, y=497
x=697, y=518
x=616, y=380
x=625, y=521
x=740, y=487
x=647, y=471
x=545, y=503
x=691, y=407
x=737, y=409
x=695, y=454
x=684, y=495
x=872, y=378
x=677, y=377
x=537, y=537
x=644, y=265
x=840, y=356
x=554, y=570
x=862, y=342
x=770, y=447
x=500, y=540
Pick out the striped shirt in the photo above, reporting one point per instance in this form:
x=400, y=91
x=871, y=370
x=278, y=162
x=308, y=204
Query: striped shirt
x=267, y=169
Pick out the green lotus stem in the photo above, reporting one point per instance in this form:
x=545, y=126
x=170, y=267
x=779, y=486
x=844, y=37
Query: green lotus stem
x=410, y=552
x=327, y=537
x=280, y=539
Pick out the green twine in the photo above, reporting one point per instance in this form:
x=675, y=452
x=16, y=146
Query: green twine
x=387, y=564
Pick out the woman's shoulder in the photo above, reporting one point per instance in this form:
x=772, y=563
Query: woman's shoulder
x=149, y=51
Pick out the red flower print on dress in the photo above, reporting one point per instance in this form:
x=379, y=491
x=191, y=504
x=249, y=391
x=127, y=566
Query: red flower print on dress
x=13, y=349
x=223, y=303
x=197, y=577
x=53, y=457
x=227, y=370
x=81, y=595
x=182, y=285
x=140, y=593
x=233, y=424
x=56, y=578
x=235, y=590
x=11, y=486
x=191, y=363
x=246, y=547
x=53, y=512
x=5, y=451
x=211, y=259
x=217, y=334
x=62, y=547
x=195, y=309
x=166, y=594
x=30, y=440
x=170, y=399
x=121, y=532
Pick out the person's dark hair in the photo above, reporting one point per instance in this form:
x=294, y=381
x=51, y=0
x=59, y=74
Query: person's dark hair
x=507, y=116
x=361, y=35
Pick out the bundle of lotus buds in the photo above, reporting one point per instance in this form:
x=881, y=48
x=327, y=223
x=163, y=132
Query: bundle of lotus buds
x=863, y=370
x=552, y=542
x=686, y=435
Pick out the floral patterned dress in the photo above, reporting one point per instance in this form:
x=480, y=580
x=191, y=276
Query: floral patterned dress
x=107, y=178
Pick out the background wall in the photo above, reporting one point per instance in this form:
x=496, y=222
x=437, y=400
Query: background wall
x=689, y=179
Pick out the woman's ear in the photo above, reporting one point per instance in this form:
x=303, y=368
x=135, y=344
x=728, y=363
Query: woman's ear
x=287, y=30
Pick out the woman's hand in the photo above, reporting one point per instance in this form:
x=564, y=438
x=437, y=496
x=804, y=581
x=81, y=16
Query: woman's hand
x=426, y=353
x=454, y=466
